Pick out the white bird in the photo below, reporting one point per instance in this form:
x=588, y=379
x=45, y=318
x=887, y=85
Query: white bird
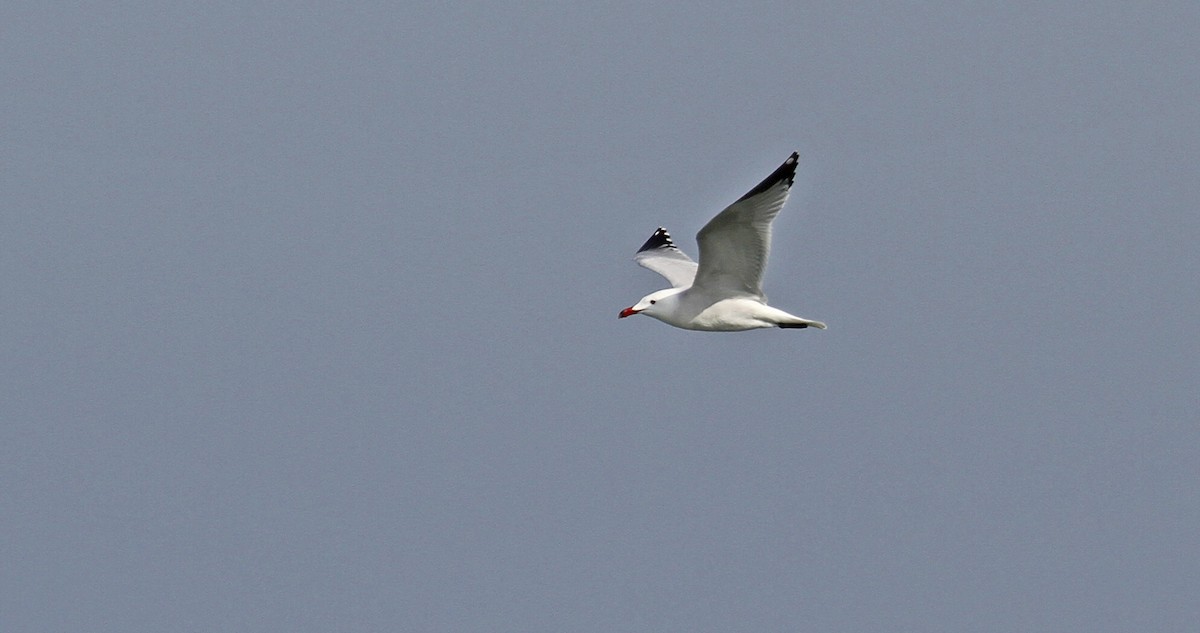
x=723, y=293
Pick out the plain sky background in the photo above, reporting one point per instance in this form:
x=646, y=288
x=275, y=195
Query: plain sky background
x=309, y=318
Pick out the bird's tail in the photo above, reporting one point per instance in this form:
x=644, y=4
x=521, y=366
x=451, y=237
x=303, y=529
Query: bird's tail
x=797, y=322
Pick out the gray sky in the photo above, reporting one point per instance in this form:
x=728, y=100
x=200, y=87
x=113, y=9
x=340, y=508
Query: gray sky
x=309, y=318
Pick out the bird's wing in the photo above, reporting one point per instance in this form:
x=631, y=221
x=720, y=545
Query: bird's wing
x=660, y=255
x=735, y=243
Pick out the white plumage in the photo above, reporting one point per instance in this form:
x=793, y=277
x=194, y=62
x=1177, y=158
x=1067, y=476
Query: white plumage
x=723, y=292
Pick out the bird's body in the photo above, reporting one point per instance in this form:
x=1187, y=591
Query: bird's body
x=723, y=292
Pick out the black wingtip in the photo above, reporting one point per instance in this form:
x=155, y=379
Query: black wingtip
x=785, y=173
x=660, y=239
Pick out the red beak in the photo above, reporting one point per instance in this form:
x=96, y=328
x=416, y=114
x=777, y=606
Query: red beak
x=627, y=312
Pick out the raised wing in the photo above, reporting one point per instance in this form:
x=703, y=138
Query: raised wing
x=660, y=255
x=734, y=244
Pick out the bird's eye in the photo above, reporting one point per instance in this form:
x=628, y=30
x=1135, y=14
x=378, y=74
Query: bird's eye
x=653, y=301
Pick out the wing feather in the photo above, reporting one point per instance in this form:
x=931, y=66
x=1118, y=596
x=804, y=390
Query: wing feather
x=734, y=244
x=660, y=254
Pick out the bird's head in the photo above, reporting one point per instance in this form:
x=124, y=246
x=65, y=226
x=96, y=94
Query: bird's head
x=652, y=304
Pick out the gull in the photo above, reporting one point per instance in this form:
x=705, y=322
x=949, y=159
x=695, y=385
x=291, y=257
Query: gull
x=723, y=292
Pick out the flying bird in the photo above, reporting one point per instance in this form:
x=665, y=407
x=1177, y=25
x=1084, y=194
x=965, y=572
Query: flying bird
x=723, y=292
